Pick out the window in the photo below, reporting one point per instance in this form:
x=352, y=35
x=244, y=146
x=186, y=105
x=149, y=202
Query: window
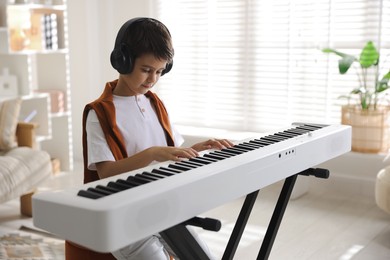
x=257, y=65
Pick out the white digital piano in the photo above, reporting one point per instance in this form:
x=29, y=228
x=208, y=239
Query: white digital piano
x=111, y=213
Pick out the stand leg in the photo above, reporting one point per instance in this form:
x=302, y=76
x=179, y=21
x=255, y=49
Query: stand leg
x=183, y=243
x=239, y=227
x=276, y=218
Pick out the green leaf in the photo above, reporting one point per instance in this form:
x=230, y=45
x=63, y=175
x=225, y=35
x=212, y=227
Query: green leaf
x=387, y=76
x=345, y=63
x=383, y=83
x=329, y=50
x=369, y=55
x=357, y=91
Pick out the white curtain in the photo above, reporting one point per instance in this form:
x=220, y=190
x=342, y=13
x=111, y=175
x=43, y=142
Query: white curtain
x=257, y=65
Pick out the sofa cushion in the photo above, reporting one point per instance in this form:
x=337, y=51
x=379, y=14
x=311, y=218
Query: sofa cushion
x=9, y=114
x=22, y=169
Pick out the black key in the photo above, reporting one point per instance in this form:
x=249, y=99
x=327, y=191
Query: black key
x=134, y=180
x=192, y=164
x=211, y=160
x=113, y=190
x=178, y=167
x=262, y=139
x=291, y=133
x=252, y=145
x=145, y=177
x=117, y=185
x=170, y=169
x=163, y=172
x=258, y=141
x=200, y=160
x=309, y=127
x=128, y=183
x=238, y=149
x=214, y=156
x=186, y=165
x=287, y=135
x=276, y=137
x=232, y=151
x=222, y=153
x=156, y=175
x=243, y=147
x=270, y=139
x=89, y=194
x=297, y=131
x=103, y=192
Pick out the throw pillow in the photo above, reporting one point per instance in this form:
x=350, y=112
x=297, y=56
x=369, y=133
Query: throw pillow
x=9, y=114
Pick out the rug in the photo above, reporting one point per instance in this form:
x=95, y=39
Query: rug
x=20, y=245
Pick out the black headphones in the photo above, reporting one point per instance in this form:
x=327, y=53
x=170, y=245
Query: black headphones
x=121, y=57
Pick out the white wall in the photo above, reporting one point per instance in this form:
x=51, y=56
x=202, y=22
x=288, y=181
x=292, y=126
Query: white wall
x=93, y=26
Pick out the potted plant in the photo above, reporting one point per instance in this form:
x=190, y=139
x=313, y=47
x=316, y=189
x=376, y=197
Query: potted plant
x=367, y=110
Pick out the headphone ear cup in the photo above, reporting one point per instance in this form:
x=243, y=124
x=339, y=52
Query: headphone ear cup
x=121, y=60
x=167, y=69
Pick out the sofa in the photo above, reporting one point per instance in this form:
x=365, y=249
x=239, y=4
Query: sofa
x=22, y=166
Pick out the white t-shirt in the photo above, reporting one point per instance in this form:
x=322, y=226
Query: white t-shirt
x=138, y=123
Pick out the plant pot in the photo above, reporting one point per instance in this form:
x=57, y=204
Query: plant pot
x=370, y=128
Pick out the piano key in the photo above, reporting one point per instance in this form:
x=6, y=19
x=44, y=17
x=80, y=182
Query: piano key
x=183, y=163
x=170, y=169
x=136, y=180
x=178, y=167
x=130, y=184
x=191, y=163
x=297, y=131
x=257, y=141
x=89, y=194
x=309, y=127
x=287, y=135
x=206, y=159
x=275, y=138
x=97, y=190
x=161, y=176
x=238, y=149
x=262, y=139
x=145, y=177
x=112, y=189
x=214, y=156
x=200, y=160
x=163, y=171
x=253, y=145
x=118, y=185
x=222, y=153
x=231, y=151
x=246, y=148
x=293, y=134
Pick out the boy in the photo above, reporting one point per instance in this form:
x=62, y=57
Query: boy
x=128, y=127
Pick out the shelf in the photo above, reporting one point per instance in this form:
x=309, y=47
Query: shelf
x=31, y=52
x=41, y=68
x=55, y=7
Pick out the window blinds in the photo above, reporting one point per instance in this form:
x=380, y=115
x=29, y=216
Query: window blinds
x=255, y=65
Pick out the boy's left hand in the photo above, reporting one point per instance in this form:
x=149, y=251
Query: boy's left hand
x=212, y=144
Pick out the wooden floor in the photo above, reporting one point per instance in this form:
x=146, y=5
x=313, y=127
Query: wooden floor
x=317, y=225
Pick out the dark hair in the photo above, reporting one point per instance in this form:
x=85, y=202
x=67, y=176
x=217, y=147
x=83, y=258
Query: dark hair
x=149, y=36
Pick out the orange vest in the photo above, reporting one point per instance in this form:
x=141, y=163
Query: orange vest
x=105, y=111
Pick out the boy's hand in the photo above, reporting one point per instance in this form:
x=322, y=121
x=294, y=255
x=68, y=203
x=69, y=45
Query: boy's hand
x=212, y=144
x=162, y=154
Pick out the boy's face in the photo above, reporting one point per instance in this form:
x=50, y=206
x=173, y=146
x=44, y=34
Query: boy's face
x=146, y=72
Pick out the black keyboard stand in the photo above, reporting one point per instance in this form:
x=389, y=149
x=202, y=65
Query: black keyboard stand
x=186, y=247
x=181, y=241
